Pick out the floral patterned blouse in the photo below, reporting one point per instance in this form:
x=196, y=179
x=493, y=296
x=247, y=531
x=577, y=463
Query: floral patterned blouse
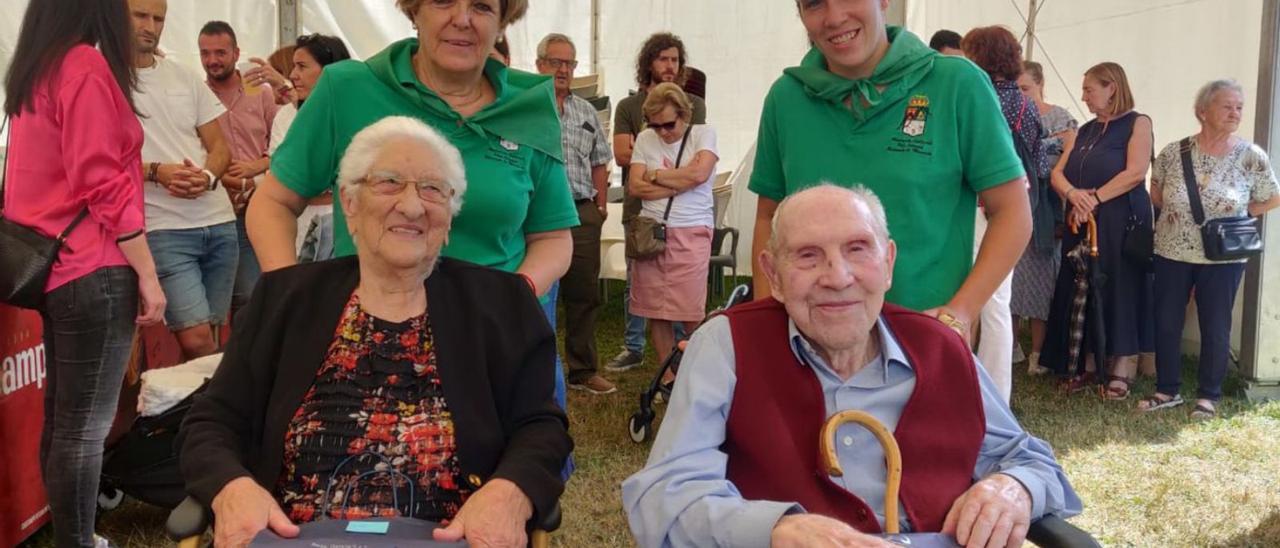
x=1227, y=185
x=376, y=406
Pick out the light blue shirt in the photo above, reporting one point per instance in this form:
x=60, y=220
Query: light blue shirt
x=682, y=497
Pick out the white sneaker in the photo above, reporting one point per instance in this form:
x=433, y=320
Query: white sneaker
x=1033, y=365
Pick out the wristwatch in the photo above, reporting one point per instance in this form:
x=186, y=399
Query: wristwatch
x=213, y=179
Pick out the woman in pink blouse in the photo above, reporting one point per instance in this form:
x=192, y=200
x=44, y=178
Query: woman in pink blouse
x=74, y=146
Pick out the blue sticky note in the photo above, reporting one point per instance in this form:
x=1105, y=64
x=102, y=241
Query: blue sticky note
x=370, y=527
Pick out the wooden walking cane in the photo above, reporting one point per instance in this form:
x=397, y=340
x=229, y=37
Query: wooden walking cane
x=892, y=458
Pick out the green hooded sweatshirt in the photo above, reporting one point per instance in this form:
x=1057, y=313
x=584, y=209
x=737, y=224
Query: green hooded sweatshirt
x=924, y=132
x=511, y=149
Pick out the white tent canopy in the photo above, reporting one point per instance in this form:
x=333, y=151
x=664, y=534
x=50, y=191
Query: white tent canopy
x=1168, y=47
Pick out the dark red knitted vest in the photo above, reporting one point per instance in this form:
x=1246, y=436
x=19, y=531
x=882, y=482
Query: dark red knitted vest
x=777, y=414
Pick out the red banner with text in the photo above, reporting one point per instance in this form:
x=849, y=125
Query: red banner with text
x=23, y=509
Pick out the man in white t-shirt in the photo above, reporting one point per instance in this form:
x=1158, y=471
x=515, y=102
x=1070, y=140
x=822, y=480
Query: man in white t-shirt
x=191, y=224
x=246, y=127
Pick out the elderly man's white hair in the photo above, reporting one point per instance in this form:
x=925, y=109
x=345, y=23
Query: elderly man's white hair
x=879, y=222
x=364, y=148
x=554, y=38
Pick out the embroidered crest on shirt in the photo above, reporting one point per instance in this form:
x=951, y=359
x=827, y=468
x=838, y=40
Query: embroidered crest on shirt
x=913, y=121
x=509, y=145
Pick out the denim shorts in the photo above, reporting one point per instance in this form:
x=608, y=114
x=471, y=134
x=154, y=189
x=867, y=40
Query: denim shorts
x=197, y=269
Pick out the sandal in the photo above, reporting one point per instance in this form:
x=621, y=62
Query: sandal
x=1155, y=403
x=1203, y=411
x=1116, y=393
x=1076, y=383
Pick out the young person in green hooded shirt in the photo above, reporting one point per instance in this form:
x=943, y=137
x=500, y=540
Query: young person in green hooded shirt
x=873, y=105
x=503, y=121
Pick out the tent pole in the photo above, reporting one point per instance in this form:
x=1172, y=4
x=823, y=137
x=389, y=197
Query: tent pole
x=1260, y=356
x=595, y=36
x=1031, y=30
x=289, y=19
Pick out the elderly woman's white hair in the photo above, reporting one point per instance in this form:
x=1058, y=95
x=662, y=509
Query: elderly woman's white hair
x=879, y=221
x=1205, y=96
x=364, y=147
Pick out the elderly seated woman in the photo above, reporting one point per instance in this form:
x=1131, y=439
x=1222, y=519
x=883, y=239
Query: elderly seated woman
x=395, y=360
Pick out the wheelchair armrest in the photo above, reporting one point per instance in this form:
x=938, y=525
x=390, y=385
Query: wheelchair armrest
x=189, y=519
x=550, y=522
x=1055, y=532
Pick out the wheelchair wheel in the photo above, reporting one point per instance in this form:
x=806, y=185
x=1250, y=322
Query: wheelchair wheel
x=638, y=427
x=109, y=498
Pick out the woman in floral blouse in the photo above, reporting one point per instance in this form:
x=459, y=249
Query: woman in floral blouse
x=1235, y=179
x=392, y=383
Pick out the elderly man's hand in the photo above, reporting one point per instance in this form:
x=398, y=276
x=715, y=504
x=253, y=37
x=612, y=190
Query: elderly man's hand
x=993, y=512
x=814, y=531
x=494, y=516
x=242, y=509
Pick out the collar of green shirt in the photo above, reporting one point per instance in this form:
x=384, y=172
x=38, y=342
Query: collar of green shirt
x=524, y=104
x=906, y=63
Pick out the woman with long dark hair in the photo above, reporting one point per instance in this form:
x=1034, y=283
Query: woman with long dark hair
x=75, y=145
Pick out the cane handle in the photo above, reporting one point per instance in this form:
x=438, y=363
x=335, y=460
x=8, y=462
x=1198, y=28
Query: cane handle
x=892, y=457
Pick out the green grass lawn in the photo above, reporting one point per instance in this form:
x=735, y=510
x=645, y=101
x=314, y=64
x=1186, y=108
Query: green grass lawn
x=1146, y=480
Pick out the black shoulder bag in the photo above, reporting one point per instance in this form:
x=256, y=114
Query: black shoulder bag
x=645, y=236
x=26, y=256
x=1227, y=238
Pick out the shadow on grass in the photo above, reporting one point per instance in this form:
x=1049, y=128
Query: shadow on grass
x=1082, y=421
x=1266, y=533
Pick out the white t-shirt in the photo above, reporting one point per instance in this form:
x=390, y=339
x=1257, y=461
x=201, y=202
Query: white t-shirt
x=174, y=101
x=692, y=207
x=280, y=126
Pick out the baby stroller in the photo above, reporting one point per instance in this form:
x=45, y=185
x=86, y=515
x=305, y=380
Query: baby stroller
x=144, y=463
x=640, y=423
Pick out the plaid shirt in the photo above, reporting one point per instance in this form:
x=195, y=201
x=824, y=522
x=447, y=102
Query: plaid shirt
x=584, y=145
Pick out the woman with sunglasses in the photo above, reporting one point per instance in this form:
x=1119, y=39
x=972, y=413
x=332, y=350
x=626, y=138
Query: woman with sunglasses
x=672, y=165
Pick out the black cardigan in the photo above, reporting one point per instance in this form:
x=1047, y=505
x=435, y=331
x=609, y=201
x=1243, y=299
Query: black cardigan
x=494, y=349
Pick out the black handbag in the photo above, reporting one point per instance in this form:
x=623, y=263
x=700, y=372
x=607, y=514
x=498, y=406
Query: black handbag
x=1139, y=240
x=26, y=256
x=1227, y=238
x=646, y=237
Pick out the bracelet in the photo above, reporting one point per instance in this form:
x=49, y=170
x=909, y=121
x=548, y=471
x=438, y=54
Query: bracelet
x=528, y=280
x=130, y=235
x=152, y=170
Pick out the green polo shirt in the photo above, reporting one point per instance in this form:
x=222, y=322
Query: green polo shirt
x=516, y=183
x=928, y=138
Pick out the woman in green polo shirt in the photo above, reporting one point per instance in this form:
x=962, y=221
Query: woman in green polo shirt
x=504, y=122
x=872, y=105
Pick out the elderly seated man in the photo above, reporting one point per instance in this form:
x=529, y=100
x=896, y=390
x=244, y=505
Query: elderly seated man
x=435, y=373
x=736, y=462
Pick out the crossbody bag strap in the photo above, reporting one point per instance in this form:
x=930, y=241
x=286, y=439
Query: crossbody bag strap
x=679, y=155
x=8, y=151
x=1189, y=177
x=4, y=171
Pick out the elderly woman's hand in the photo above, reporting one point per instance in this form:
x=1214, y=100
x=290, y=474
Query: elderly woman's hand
x=493, y=516
x=242, y=509
x=1082, y=199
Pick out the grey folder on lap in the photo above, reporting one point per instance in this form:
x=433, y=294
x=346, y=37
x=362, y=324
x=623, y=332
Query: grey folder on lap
x=332, y=533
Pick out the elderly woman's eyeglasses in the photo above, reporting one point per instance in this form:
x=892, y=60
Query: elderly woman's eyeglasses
x=387, y=184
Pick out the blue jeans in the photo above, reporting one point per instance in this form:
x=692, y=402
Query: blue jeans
x=88, y=330
x=197, y=270
x=247, y=270
x=1215, y=287
x=318, y=243
x=549, y=308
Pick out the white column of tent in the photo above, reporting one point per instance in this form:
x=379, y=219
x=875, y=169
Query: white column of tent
x=1260, y=345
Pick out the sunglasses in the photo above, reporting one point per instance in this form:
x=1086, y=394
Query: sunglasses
x=664, y=127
